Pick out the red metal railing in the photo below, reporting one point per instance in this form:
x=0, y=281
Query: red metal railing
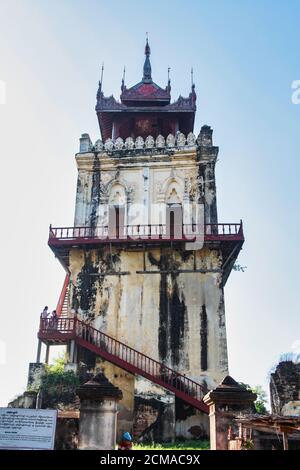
x=125, y=357
x=62, y=305
x=184, y=232
x=60, y=329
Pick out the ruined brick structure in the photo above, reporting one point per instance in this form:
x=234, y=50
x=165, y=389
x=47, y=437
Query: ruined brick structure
x=285, y=389
x=134, y=270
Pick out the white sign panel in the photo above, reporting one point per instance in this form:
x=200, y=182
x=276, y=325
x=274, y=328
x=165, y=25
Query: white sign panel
x=27, y=429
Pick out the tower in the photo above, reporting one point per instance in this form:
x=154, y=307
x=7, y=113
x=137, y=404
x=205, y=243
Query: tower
x=147, y=259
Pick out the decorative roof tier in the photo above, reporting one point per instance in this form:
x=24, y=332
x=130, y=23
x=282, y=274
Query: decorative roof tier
x=145, y=109
x=146, y=91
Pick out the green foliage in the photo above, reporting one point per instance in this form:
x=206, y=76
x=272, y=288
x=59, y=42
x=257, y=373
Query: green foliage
x=248, y=445
x=182, y=445
x=261, y=400
x=58, y=364
x=57, y=385
x=59, y=380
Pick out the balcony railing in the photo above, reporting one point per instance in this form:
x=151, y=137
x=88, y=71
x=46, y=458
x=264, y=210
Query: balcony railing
x=153, y=232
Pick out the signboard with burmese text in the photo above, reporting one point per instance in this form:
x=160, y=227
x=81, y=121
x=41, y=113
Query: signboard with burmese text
x=22, y=428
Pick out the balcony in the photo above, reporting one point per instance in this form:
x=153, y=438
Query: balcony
x=159, y=233
x=228, y=237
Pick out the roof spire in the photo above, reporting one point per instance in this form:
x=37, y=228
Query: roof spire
x=99, y=92
x=123, y=79
x=147, y=66
x=193, y=93
x=169, y=81
x=101, y=79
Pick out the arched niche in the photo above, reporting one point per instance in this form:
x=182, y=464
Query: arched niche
x=117, y=202
x=174, y=214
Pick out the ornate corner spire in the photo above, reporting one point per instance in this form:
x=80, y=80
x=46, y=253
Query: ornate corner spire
x=101, y=79
x=99, y=92
x=193, y=93
x=147, y=66
x=169, y=81
x=123, y=80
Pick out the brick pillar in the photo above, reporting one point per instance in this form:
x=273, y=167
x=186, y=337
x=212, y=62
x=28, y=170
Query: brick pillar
x=225, y=402
x=98, y=414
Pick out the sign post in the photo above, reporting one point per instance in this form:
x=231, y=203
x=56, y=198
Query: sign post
x=22, y=428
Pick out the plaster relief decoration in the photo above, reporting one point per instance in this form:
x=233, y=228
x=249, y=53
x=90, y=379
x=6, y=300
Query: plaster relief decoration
x=107, y=178
x=180, y=139
x=127, y=191
x=98, y=145
x=172, y=196
x=191, y=139
x=130, y=194
x=173, y=188
x=139, y=143
x=160, y=141
x=129, y=143
x=170, y=141
x=109, y=145
x=117, y=196
x=104, y=195
x=119, y=143
x=194, y=187
x=149, y=142
x=179, y=142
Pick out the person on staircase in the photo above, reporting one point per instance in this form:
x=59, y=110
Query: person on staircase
x=44, y=314
x=54, y=319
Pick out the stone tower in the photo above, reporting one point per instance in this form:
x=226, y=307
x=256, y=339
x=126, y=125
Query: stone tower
x=145, y=192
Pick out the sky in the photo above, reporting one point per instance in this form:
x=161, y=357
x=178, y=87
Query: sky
x=245, y=56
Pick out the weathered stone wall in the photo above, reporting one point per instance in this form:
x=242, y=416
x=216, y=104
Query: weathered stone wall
x=190, y=423
x=160, y=315
x=174, y=317
x=144, y=183
x=66, y=434
x=285, y=389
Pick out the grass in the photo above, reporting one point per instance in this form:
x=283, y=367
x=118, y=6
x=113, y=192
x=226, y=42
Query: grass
x=179, y=445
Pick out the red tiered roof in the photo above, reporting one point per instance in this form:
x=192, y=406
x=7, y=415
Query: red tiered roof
x=145, y=106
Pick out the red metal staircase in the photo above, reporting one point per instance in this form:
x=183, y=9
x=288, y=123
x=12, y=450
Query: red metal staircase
x=63, y=301
x=65, y=329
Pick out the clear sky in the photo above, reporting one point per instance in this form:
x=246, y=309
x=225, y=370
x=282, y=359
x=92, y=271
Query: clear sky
x=245, y=56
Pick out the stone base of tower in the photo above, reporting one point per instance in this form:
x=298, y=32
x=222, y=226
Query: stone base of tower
x=160, y=418
x=190, y=423
x=150, y=412
x=154, y=413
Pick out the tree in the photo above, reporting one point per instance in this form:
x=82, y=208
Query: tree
x=58, y=386
x=261, y=400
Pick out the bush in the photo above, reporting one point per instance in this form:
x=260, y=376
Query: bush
x=57, y=385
